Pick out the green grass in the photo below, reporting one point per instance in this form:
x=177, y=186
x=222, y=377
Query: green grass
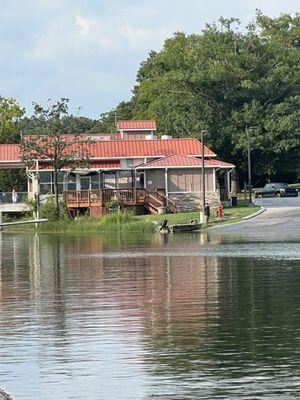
x=128, y=222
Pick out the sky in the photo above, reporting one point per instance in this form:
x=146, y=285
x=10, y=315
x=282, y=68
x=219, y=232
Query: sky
x=90, y=50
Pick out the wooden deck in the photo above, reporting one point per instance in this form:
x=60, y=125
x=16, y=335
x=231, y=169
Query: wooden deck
x=96, y=200
x=99, y=197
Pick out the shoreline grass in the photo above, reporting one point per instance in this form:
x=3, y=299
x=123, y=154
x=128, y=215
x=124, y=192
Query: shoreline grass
x=128, y=222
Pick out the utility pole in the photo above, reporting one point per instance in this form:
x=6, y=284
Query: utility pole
x=249, y=166
x=202, y=176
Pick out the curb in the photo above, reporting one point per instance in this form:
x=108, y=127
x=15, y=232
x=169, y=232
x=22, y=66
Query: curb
x=4, y=395
x=262, y=209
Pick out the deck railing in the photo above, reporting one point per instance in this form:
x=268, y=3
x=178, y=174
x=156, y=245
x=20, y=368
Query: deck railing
x=13, y=197
x=99, y=197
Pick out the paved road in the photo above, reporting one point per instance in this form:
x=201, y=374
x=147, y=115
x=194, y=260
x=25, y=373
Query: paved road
x=280, y=221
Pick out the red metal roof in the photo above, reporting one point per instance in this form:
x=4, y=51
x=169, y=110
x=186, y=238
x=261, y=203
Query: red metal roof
x=106, y=164
x=181, y=161
x=9, y=152
x=147, y=148
x=111, y=149
x=133, y=125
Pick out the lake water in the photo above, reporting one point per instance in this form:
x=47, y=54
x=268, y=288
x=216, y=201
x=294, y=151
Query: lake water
x=148, y=317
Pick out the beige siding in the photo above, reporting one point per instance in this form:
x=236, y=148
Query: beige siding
x=136, y=135
x=155, y=179
x=189, y=180
x=179, y=180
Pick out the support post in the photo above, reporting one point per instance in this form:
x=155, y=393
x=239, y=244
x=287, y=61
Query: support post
x=166, y=186
x=202, y=177
x=249, y=166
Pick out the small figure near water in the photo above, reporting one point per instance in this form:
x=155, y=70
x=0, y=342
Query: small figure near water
x=220, y=211
x=206, y=213
x=164, y=227
x=14, y=196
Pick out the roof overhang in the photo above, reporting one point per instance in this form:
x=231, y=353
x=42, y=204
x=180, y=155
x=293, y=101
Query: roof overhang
x=187, y=166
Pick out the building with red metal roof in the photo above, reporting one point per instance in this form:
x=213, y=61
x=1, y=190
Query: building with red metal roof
x=136, y=125
x=132, y=159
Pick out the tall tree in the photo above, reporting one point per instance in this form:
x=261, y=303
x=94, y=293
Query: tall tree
x=51, y=144
x=10, y=114
x=226, y=81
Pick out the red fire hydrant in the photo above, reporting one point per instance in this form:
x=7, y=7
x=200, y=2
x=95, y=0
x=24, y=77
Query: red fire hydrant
x=220, y=210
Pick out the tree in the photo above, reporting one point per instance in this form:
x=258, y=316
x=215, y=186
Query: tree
x=51, y=144
x=10, y=114
x=108, y=120
x=226, y=80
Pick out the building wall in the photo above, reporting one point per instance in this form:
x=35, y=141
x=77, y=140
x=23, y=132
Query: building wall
x=189, y=180
x=136, y=135
x=179, y=180
x=155, y=179
x=193, y=201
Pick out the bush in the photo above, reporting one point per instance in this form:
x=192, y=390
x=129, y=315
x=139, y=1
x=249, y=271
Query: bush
x=48, y=210
x=118, y=218
x=113, y=204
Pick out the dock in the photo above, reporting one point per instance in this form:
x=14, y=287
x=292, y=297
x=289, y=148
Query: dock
x=32, y=221
x=180, y=228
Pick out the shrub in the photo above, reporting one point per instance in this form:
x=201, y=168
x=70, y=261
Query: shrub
x=113, y=204
x=48, y=210
x=118, y=218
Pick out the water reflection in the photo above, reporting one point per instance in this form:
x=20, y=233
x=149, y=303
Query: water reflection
x=146, y=317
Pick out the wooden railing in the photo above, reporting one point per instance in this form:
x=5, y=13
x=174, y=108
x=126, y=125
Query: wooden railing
x=127, y=197
x=99, y=197
x=167, y=202
x=157, y=199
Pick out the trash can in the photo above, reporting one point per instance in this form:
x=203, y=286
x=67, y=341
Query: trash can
x=234, y=201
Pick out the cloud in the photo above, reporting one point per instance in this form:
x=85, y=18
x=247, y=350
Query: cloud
x=90, y=50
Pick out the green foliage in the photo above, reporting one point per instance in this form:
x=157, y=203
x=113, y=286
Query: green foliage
x=10, y=114
x=121, y=217
x=48, y=142
x=13, y=179
x=227, y=80
x=108, y=120
x=48, y=209
x=113, y=204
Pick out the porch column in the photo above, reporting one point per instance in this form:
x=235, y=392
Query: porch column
x=228, y=183
x=166, y=182
x=214, y=179
x=78, y=182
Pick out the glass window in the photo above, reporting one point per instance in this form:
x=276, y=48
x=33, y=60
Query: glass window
x=71, y=182
x=95, y=181
x=45, y=177
x=125, y=180
x=109, y=180
x=46, y=188
x=61, y=177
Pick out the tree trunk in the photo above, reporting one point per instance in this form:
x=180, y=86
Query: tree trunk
x=234, y=182
x=55, y=185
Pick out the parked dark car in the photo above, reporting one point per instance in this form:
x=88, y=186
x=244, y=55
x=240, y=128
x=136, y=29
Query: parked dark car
x=276, y=190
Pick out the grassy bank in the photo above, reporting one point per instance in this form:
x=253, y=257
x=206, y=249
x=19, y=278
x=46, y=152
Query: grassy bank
x=127, y=222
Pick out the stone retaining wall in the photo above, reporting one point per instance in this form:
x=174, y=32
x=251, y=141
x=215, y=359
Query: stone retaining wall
x=193, y=201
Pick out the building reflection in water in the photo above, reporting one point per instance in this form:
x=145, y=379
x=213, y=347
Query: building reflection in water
x=142, y=312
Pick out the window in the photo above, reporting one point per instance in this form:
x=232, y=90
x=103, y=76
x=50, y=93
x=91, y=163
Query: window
x=125, y=180
x=109, y=180
x=71, y=182
x=95, y=181
x=47, y=182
